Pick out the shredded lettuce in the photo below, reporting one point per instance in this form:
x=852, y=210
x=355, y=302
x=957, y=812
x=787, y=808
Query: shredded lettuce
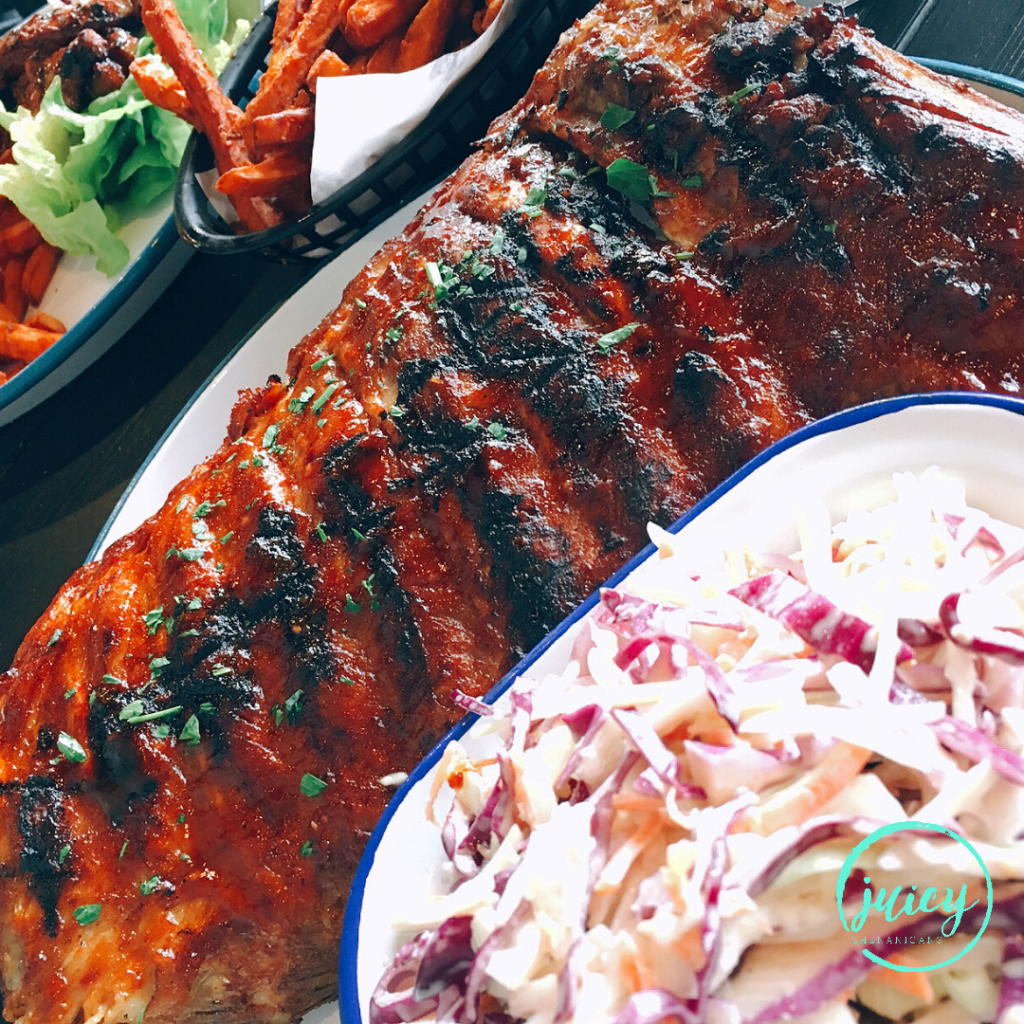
x=80, y=176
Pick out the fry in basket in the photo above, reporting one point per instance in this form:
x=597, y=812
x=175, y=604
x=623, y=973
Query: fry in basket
x=39, y=268
x=384, y=60
x=370, y=22
x=289, y=14
x=284, y=128
x=161, y=87
x=267, y=178
x=219, y=117
x=327, y=65
x=424, y=39
x=288, y=67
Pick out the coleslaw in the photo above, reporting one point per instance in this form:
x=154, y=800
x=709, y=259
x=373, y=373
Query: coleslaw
x=658, y=831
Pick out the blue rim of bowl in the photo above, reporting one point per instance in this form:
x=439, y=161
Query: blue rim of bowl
x=348, y=982
x=105, y=309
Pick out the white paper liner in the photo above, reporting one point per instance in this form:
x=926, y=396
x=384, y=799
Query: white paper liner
x=360, y=117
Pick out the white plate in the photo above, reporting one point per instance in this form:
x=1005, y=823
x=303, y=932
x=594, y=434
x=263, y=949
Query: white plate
x=96, y=309
x=847, y=460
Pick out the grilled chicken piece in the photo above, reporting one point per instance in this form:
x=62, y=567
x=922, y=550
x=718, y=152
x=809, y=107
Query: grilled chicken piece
x=707, y=224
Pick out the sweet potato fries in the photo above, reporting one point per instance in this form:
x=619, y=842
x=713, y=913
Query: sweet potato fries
x=263, y=152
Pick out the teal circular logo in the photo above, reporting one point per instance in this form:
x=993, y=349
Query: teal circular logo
x=954, y=905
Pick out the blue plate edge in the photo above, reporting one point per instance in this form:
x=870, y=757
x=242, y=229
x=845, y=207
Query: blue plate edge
x=348, y=992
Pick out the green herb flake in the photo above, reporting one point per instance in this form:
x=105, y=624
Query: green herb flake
x=181, y=819
x=325, y=395
x=396, y=412
x=153, y=716
x=187, y=554
x=319, y=531
x=358, y=536
x=56, y=636
x=533, y=204
x=299, y=403
x=63, y=854
x=497, y=430
x=693, y=181
x=831, y=228
x=157, y=665
x=516, y=307
x=68, y=694
x=70, y=748
x=220, y=670
x=607, y=341
x=323, y=361
x=393, y=334
x=739, y=94
x=614, y=116
x=270, y=437
x=258, y=462
x=150, y=885
x=307, y=849
x=161, y=732
x=293, y=707
x=190, y=733
x=633, y=180
x=154, y=619
x=352, y=606
x=206, y=707
x=124, y=848
x=613, y=54
x=347, y=680
x=113, y=680
x=131, y=710
x=181, y=504
x=683, y=257
x=310, y=785
x=567, y=172
x=88, y=913
x=227, y=536
x=360, y=303
x=497, y=242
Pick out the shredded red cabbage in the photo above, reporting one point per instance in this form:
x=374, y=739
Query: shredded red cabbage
x=1000, y=643
x=814, y=618
x=965, y=739
x=471, y=704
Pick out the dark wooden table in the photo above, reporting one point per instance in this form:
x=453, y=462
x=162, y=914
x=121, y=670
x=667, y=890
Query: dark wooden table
x=64, y=464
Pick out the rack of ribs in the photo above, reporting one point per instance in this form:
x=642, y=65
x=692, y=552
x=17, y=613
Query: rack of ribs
x=707, y=223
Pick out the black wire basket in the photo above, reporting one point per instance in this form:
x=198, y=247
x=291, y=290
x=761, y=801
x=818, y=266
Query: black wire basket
x=414, y=164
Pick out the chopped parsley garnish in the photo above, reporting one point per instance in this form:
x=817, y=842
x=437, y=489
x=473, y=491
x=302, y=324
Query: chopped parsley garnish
x=325, y=395
x=323, y=361
x=300, y=402
x=533, y=204
x=633, y=180
x=613, y=55
x=70, y=748
x=396, y=412
x=56, y=636
x=181, y=504
x=227, y=536
x=347, y=680
x=311, y=785
x=68, y=694
x=63, y=854
x=307, y=849
x=598, y=229
x=124, y=848
x=516, y=307
x=270, y=438
x=157, y=665
x=614, y=116
x=257, y=462
x=221, y=670
x=88, y=913
x=291, y=709
x=474, y=423
x=497, y=242
x=497, y=430
x=154, y=619
x=393, y=334
x=181, y=819
x=190, y=733
x=360, y=304
x=607, y=341
x=735, y=98
x=150, y=885
x=357, y=534
x=352, y=606
x=161, y=732
x=154, y=716
x=113, y=680
x=206, y=707
x=693, y=181
x=683, y=256
x=201, y=531
x=186, y=554
x=319, y=531
x=567, y=172
x=831, y=228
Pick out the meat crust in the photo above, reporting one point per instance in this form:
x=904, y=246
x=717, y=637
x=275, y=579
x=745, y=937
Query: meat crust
x=707, y=224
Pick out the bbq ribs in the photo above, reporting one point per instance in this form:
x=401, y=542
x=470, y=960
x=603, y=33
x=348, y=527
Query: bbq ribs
x=706, y=224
